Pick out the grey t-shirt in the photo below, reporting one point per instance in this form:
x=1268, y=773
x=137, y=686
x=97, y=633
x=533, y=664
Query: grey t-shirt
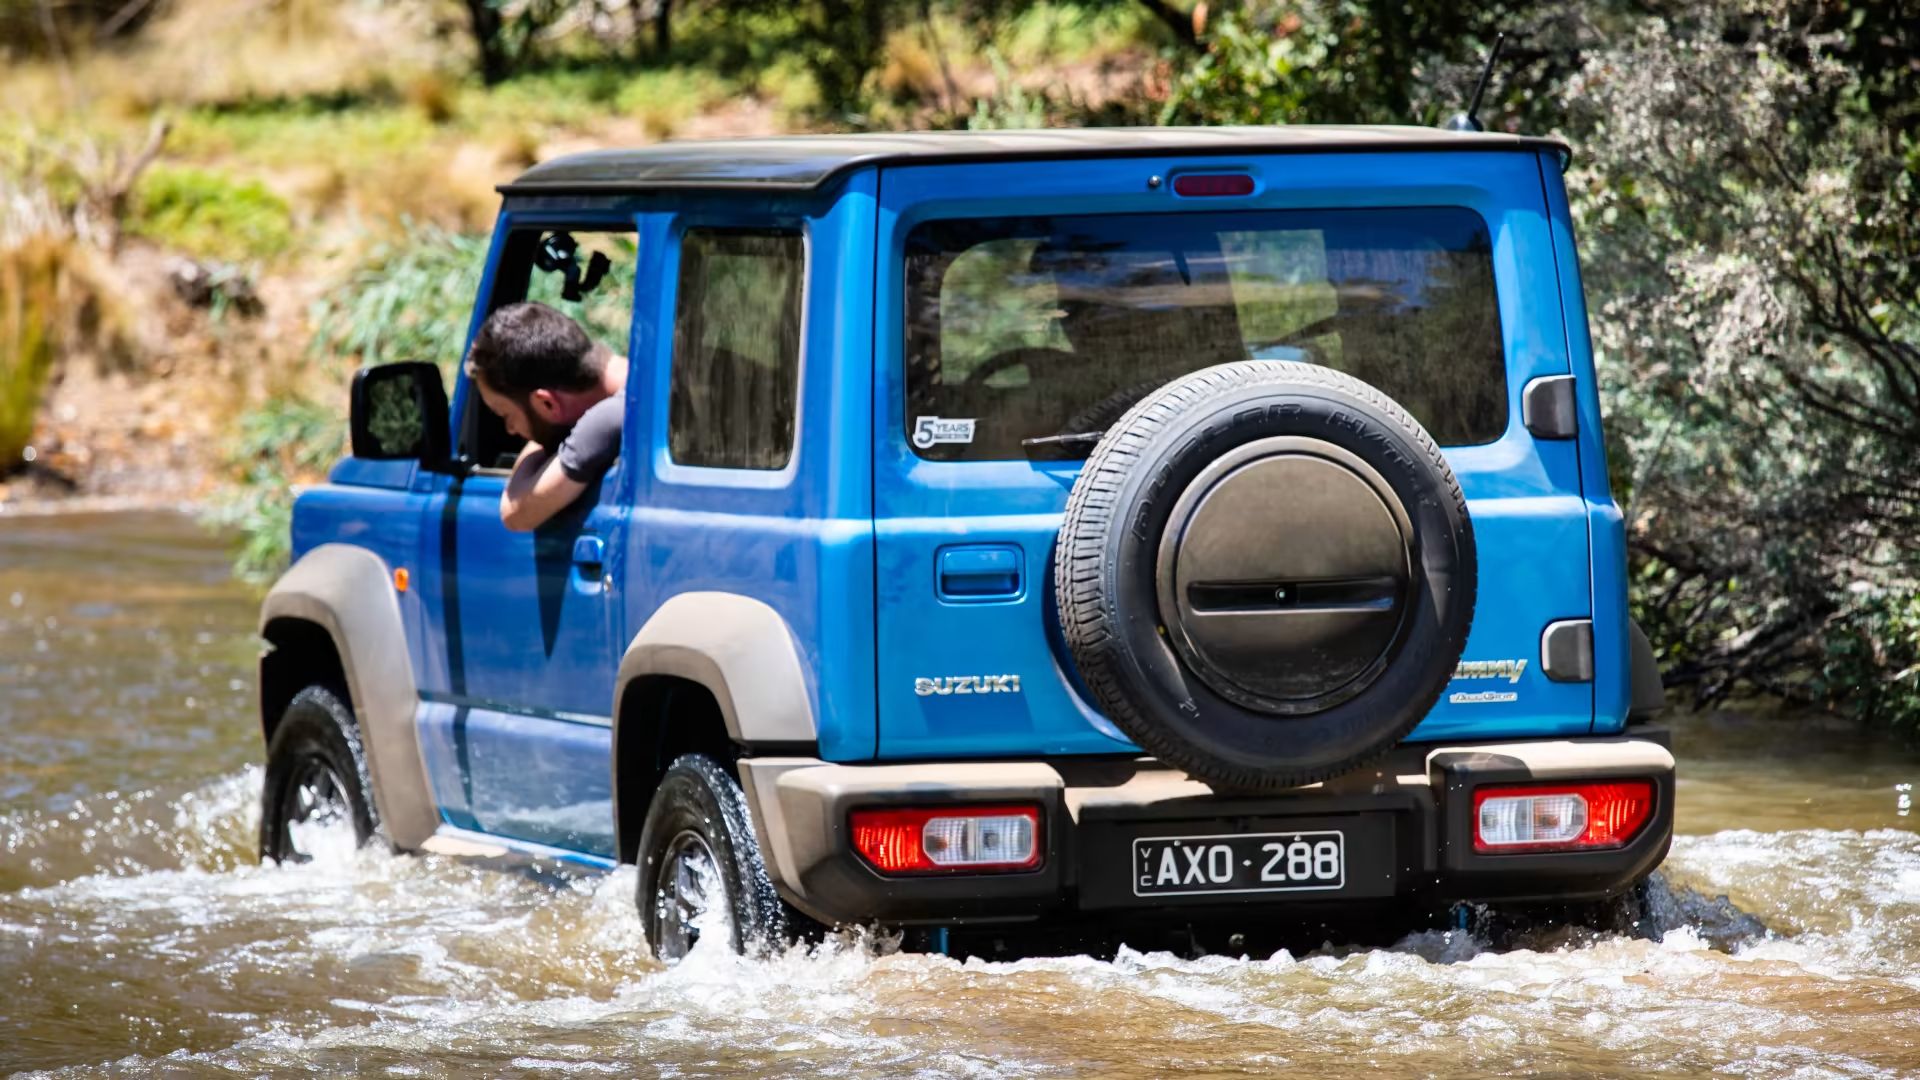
x=590, y=448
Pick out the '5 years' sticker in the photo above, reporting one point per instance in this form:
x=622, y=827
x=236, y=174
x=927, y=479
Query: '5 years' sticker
x=933, y=430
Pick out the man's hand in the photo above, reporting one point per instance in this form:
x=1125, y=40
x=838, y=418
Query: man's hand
x=537, y=490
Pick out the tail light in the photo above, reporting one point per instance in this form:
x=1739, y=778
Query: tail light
x=929, y=840
x=1560, y=817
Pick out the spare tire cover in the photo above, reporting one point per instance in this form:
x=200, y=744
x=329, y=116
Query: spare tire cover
x=1266, y=574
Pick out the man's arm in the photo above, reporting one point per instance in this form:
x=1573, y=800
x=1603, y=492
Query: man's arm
x=538, y=489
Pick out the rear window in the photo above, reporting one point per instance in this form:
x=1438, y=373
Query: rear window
x=1023, y=329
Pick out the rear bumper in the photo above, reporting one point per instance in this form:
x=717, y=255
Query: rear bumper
x=1410, y=814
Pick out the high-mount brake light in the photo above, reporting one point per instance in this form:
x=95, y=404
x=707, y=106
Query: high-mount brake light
x=1560, y=817
x=1193, y=185
x=925, y=840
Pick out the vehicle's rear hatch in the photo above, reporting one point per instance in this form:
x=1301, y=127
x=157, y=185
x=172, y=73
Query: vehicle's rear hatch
x=1024, y=301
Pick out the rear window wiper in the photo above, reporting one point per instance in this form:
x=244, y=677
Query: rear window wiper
x=1061, y=447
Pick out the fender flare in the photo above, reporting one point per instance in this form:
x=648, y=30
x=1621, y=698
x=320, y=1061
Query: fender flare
x=348, y=592
x=741, y=651
x=737, y=647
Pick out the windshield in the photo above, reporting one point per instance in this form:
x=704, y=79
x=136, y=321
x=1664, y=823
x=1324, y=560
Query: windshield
x=1024, y=329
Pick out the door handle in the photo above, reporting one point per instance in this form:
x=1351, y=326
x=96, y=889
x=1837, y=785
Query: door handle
x=979, y=572
x=589, y=553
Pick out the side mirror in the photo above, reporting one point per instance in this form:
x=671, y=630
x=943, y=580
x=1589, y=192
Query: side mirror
x=400, y=413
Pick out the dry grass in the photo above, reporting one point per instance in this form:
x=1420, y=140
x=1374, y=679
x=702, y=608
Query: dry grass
x=227, y=52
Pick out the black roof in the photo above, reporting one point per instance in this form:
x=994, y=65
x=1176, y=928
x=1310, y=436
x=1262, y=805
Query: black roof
x=806, y=162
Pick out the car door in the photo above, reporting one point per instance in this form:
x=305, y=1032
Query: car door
x=517, y=728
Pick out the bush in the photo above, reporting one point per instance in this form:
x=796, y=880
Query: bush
x=210, y=214
x=1870, y=667
x=1745, y=201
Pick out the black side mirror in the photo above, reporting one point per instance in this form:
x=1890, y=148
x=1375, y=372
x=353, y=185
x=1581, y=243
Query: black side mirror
x=400, y=413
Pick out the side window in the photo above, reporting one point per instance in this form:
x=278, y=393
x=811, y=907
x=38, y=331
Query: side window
x=736, y=348
x=586, y=274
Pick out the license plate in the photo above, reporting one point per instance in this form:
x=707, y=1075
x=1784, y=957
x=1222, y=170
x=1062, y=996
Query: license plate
x=1240, y=863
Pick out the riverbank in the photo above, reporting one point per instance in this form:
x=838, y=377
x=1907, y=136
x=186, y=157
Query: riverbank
x=181, y=207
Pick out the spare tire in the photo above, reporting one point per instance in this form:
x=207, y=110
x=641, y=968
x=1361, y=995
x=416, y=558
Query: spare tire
x=1266, y=574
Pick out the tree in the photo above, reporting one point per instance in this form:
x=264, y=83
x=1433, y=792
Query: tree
x=1747, y=190
x=1745, y=186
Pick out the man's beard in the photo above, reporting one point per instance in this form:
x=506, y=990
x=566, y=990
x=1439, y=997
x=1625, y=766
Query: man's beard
x=547, y=433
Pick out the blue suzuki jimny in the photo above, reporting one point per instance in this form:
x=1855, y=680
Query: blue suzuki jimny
x=1198, y=528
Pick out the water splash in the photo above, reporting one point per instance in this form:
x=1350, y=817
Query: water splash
x=212, y=827
x=372, y=962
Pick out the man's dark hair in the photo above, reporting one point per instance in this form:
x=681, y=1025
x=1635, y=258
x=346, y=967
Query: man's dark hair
x=526, y=347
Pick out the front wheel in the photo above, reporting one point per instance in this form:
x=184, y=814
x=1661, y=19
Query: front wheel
x=700, y=867
x=317, y=786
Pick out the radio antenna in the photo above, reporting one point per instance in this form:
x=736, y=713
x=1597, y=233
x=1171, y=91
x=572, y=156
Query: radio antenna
x=1470, y=120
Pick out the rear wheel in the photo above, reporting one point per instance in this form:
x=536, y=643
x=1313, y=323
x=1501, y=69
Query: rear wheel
x=317, y=785
x=700, y=866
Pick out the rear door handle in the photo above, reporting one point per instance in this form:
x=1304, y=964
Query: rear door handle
x=589, y=553
x=979, y=572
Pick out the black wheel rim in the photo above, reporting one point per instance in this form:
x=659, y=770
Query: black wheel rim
x=686, y=886
x=315, y=796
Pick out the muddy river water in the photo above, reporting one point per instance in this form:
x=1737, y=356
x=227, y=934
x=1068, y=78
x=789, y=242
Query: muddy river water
x=139, y=935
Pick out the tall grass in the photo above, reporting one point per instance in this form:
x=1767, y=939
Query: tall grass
x=409, y=300
x=29, y=303
x=57, y=299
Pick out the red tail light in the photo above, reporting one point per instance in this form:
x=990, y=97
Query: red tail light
x=932, y=839
x=1559, y=817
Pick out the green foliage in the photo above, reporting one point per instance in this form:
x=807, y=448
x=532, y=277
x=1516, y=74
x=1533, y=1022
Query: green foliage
x=1011, y=106
x=1870, y=663
x=286, y=134
x=210, y=214
x=286, y=441
x=1338, y=61
x=1745, y=211
x=665, y=99
x=1745, y=184
x=410, y=300
x=1049, y=32
x=1254, y=72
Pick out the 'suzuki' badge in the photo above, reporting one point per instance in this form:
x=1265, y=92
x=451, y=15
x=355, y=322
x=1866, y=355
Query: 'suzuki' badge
x=933, y=430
